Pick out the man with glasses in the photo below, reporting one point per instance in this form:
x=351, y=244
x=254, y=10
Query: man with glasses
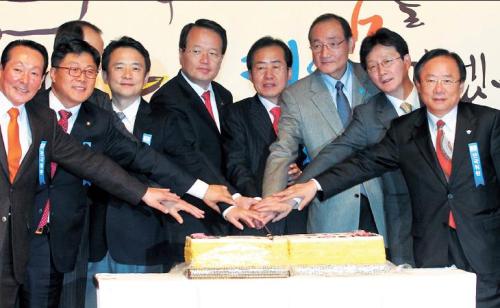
x=251, y=125
x=196, y=101
x=315, y=110
x=449, y=154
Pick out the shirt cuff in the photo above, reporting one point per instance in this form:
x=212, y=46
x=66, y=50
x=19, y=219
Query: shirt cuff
x=236, y=196
x=198, y=190
x=318, y=186
x=226, y=211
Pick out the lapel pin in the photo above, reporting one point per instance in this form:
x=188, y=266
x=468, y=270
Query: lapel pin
x=87, y=123
x=468, y=131
x=361, y=91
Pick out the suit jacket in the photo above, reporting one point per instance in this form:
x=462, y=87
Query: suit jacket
x=248, y=133
x=309, y=117
x=476, y=209
x=368, y=126
x=18, y=198
x=197, y=147
x=68, y=194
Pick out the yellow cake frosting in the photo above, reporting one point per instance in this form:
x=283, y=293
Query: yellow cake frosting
x=354, y=248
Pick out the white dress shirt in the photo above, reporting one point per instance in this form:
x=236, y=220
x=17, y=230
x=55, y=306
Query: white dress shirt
x=412, y=99
x=22, y=122
x=56, y=105
x=268, y=105
x=450, y=120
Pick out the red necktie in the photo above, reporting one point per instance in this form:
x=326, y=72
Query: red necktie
x=443, y=153
x=208, y=103
x=14, y=151
x=276, y=112
x=63, y=122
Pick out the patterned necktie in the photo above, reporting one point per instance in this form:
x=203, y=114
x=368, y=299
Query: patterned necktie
x=343, y=107
x=276, y=112
x=14, y=144
x=63, y=123
x=125, y=121
x=208, y=103
x=444, y=151
x=406, y=107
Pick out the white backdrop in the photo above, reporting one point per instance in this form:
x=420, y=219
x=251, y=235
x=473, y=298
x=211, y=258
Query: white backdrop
x=467, y=27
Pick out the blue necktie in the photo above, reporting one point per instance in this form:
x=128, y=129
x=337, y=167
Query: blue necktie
x=343, y=107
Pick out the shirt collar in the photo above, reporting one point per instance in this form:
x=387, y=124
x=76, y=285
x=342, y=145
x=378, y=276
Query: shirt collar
x=6, y=104
x=345, y=79
x=199, y=90
x=131, y=111
x=450, y=119
x=56, y=105
x=412, y=99
x=267, y=103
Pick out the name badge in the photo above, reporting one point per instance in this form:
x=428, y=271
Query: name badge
x=477, y=170
x=41, y=162
x=89, y=144
x=146, y=138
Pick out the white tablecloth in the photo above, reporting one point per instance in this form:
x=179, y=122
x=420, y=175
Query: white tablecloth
x=408, y=288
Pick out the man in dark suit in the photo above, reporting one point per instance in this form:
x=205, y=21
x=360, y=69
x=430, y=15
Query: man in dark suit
x=73, y=72
x=386, y=58
x=449, y=154
x=31, y=139
x=197, y=101
x=250, y=126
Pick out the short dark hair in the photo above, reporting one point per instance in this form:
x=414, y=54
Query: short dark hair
x=125, y=42
x=329, y=16
x=75, y=46
x=439, y=52
x=73, y=30
x=207, y=24
x=384, y=37
x=268, y=41
x=29, y=44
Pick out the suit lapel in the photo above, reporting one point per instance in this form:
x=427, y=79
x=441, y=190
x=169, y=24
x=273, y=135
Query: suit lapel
x=142, y=120
x=466, y=122
x=323, y=101
x=385, y=110
x=3, y=158
x=261, y=121
x=36, y=125
x=422, y=138
x=360, y=81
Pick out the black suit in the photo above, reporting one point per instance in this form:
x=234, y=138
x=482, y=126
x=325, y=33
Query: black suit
x=197, y=146
x=18, y=198
x=248, y=133
x=476, y=209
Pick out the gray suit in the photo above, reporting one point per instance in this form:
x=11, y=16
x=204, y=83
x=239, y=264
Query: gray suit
x=368, y=126
x=309, y=116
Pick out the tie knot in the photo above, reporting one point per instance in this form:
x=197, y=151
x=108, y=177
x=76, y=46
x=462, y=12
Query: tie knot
x=440, y=124
x=13, y=113
x=406, y=107
x=121, y=115
x=276, y=112
x=206, y=95
x=339, y=85
x=64, y=114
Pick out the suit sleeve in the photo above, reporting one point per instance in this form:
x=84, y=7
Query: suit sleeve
x=367, y=164
x=99, y=169
x=236, y=152
x=141, y=158
x=353, y=139
x=284, y=150
x=495, y=143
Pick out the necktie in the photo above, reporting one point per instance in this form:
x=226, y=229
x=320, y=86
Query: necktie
x=14, y=152
x=63, y=123
x=444, y=150
x=406, y=107
x=125, y=121
x=208, y=103
x=343, y=107
x=276, y=112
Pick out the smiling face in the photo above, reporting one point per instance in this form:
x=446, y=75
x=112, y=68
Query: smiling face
x=390, y=79
x=126, y=74
x=438, y=97
x=22, y=75
x=70, y=90
x=269, y=73
x=331, y=61
x=202, y=58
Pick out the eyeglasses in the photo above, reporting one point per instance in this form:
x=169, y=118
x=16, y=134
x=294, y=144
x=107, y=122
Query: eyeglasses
x=197, y=52
x=90, y=73
x=318, y=46
x=386, y=63
x=432, y=82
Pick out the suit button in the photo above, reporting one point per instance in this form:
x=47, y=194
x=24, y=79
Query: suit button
x=450, y=196
x=356, y=195
x=4, y=219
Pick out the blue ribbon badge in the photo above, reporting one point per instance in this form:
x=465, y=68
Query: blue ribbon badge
x=89, y=144
x=146, y=138
x=475, y=159
x=41, y=162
